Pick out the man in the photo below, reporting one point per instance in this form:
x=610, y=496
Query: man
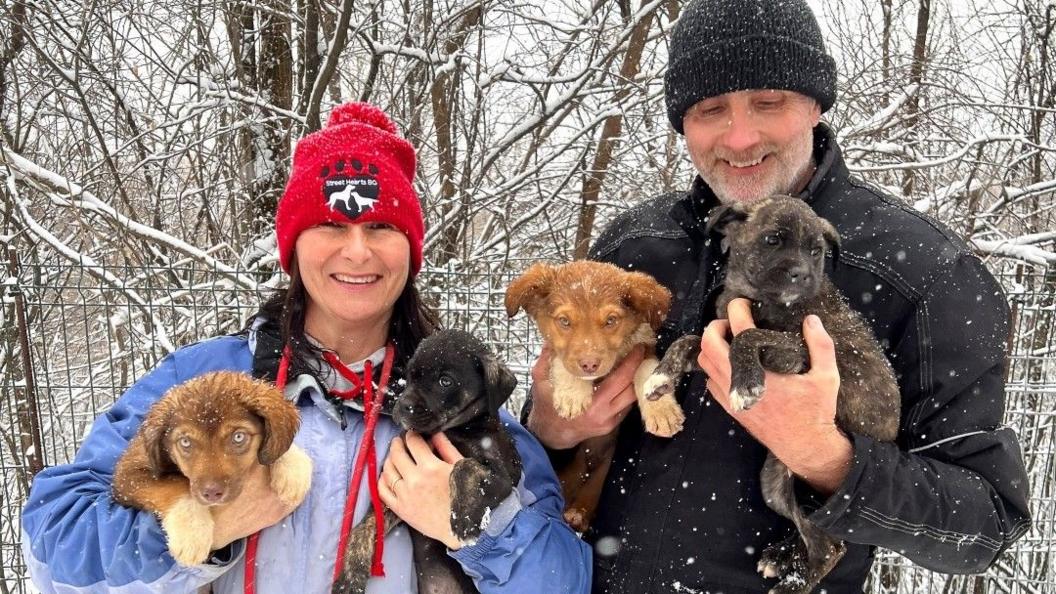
x=747, y=83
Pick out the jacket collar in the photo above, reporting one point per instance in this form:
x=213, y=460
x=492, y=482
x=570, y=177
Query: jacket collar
x=691, y=211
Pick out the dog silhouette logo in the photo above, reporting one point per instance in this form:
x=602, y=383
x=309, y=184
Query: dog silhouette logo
x=350, y=188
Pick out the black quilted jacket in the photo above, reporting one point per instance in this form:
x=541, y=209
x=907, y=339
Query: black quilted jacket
x=686, y=514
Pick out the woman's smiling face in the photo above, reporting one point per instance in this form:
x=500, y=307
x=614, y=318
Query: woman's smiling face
x=353, y=274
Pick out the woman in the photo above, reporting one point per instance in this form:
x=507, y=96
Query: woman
x=350, y=231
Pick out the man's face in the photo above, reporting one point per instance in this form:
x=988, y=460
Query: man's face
x=748, y=145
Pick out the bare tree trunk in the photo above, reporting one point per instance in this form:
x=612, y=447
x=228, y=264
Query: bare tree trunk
x=887, y=11
x=16, y=40
x=444, y=104
x=242, y=39
x=309, y=46
x=916, y=76
x=1046, y=92
x=594, y=178
x=272, y=150
x=329, y=67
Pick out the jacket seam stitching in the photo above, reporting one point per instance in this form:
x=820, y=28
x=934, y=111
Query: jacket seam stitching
x=952, y=238
x=629, y=235
x=926, y=365
x=885, y=272
x=932, y=532
x=945, y=440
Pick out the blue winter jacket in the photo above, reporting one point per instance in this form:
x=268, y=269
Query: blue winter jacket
x=76, y=539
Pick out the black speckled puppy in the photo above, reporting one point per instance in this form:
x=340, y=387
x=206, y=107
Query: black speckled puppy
x=454, y=385
x=777, y=260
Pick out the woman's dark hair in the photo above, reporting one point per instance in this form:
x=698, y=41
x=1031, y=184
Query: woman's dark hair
x=412, y=320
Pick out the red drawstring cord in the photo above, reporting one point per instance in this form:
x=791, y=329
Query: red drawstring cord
x=367, y=456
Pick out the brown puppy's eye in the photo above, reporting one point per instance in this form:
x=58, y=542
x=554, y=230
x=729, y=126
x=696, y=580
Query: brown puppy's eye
x=564, y=322
x=445, y=382
x=184, y=442
x=238, y=437
x=772, y=239
x=815, y=251
x=611, y=321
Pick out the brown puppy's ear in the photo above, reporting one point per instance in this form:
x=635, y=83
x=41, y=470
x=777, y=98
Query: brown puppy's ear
x=529, y=290
x=832, y=238
x=498, y=379
x=154, y=432
x=279, y=415
x=647, y=297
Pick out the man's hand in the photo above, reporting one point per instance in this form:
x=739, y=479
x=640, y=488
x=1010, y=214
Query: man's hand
x=255, y=508
x=613, y=398
x=796, y=417
x=416, y=484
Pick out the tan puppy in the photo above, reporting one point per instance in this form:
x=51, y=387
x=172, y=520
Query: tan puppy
x=196, y=447
x=592, y=314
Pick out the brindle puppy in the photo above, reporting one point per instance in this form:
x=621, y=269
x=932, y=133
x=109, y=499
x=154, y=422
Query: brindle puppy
x=777, y=259
x=454, y=385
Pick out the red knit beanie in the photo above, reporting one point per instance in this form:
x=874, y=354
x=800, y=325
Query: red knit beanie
x=356, y=169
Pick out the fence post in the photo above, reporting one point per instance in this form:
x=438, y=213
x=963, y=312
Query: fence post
x=27, y=408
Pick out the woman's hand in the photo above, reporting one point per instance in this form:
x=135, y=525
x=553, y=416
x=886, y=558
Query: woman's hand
x=255, y=508
x=613, y=398
x=415, y=483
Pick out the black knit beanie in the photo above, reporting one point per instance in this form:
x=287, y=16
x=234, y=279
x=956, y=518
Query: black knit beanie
x=720, y=46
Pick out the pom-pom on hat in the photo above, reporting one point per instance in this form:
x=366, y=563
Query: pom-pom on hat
x=357, y=169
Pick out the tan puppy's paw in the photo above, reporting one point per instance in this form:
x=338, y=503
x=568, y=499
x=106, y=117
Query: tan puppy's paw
x=571, y=405
x=188, y=527
x=291, y=476
x=663, y=417
x=572, y=395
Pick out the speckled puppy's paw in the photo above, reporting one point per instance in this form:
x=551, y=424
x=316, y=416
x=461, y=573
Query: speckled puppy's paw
x=188, y=528
x=291, y=476
x=744, y=398
x=663, y=417
x=658, y=385
x=469, y=515
x=746, y=387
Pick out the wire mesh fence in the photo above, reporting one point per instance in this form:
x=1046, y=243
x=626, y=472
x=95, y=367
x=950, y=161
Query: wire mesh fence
x=74, y=339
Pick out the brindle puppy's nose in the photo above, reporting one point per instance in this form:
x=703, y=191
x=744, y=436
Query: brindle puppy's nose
x=799, y=274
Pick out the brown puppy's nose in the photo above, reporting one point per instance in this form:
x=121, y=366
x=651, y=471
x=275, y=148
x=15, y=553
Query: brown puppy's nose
x=212, y=492
x=589, y=365
x=799, y=274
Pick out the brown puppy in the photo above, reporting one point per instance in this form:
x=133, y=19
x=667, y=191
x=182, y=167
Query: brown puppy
x=196, y=446
x=777, y=260
x=592, y=314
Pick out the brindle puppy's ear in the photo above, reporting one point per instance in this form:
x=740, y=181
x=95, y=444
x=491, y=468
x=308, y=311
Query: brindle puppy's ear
x=832, y=238
x=499, y=381
x=647, y=297
x=726, y=219
x=279, y=415
x=530, y=290
x=154, y=433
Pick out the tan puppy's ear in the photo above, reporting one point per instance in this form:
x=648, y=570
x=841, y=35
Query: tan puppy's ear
x=154, y=433
x=647, y=297
x=279, y=415
x=530, y=290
